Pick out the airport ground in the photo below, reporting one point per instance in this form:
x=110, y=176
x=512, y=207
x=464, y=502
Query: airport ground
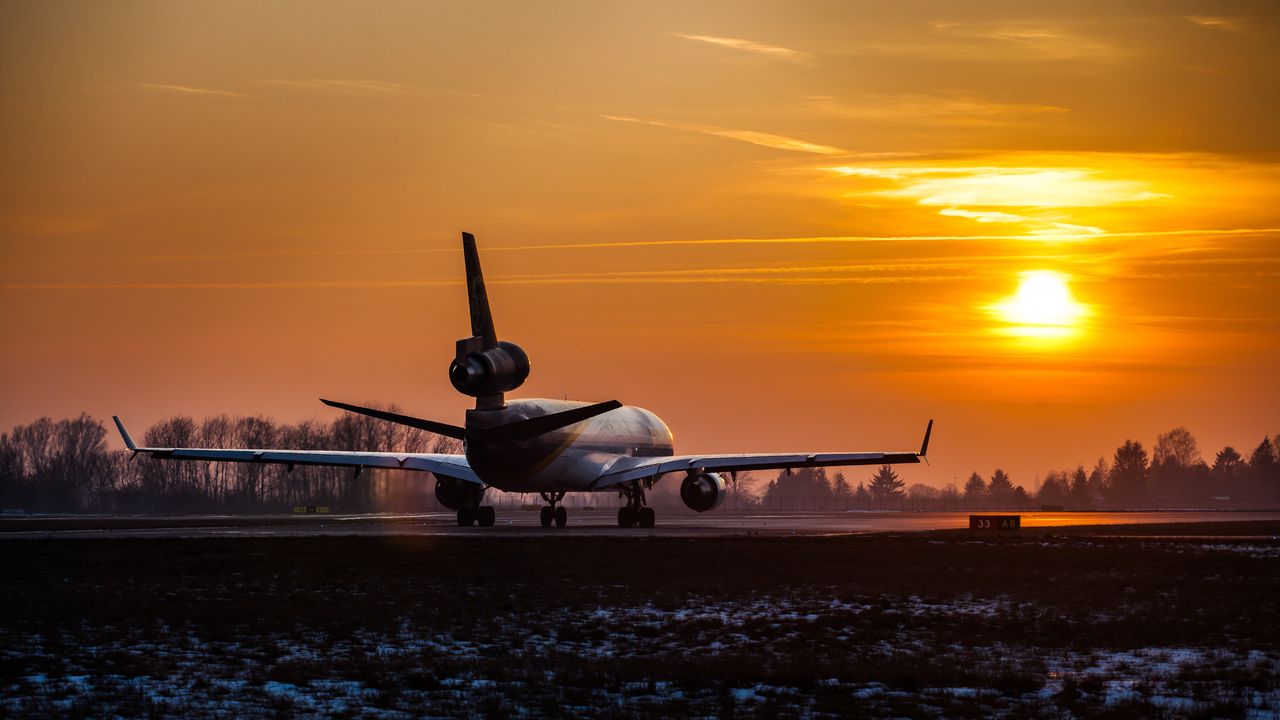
x=1160, y=619
x=524, y=522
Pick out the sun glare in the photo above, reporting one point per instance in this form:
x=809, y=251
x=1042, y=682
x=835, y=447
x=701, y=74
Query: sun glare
x=1042, y=307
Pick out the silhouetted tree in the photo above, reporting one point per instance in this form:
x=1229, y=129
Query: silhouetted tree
x=1128, y=480
x=1228, y=474
x=975, y=489
x=800, y=487
x=1098, y=480
x=1078, y=496
x=1020, y=499
x=920, y=491
x=885, y=484
x=1053, y=491
x=1000, y=489
x=1264, y=471
x=840, y=486
x=1174, y=466
x=861, y=496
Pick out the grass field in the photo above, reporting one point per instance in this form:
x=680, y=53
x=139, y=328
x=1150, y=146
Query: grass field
x=942, y=624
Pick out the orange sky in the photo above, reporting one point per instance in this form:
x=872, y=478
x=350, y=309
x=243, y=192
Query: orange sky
x=790, y=226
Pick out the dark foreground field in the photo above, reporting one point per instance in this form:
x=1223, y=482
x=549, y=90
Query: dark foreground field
x=917, y=625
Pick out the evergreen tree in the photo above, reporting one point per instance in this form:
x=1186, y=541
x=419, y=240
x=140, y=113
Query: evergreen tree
x=1264, y=470
x=1128, y=481
x=975, y=488
x=861, y=496
x=1054, y=489
x=840, y=486
x=1078, y=496
x=1000, y=490
x=886, y=484
x=1228, y=474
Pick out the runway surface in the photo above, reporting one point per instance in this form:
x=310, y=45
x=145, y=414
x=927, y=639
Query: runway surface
x=524, y=523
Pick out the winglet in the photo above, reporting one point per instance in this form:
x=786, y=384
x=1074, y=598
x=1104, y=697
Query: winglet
x=924, y=446
x=128, y=440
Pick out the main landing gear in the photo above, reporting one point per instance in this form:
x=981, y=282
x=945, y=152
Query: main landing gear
x=635, y=512
x=553, y=511
x=484, y=516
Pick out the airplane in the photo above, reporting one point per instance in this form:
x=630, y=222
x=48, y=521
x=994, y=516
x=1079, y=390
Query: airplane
x=551, y=447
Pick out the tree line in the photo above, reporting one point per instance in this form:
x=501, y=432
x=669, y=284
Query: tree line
x=1174, y=475
x=66, y=466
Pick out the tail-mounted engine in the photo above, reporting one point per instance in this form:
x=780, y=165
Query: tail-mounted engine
x=702, y=491
x=479, y=373
x=483, y=367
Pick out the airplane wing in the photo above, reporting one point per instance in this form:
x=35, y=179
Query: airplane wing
x=453, y=466
x=628, y=468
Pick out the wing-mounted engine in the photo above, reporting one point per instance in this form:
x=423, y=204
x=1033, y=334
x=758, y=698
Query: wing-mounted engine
x=456, y=494
x=702, y=491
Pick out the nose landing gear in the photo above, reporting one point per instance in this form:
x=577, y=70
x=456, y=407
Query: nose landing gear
x=635, y=512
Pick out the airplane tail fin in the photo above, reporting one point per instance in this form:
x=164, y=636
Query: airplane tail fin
x=478, y=298
x=483, y=367
x=924, y=446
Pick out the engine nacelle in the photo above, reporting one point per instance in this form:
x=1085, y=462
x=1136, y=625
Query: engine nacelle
x=702, y=491
x=455, y=494
x=490, y=372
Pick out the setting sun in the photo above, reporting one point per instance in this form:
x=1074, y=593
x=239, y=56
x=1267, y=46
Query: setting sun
x=1042, y=306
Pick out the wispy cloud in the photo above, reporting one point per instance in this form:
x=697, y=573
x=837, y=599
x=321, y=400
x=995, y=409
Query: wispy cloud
x=630, y=244
x=777, y=142
x=987, y=41
x=773, y=52
x=1230, y=24
x=190, y=90
x=360, y=86
x=942, y=108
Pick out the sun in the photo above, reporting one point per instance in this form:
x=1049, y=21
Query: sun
x=1043, y=306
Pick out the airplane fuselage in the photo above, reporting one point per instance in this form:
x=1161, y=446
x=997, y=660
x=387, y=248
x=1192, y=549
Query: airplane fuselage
x=567, y=459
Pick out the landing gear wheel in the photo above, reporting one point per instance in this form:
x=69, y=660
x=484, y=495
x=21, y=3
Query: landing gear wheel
x=562, y=516
x=485, y=516
x=626, y=517
x=547, y=514
x=647, y=517
x=466, y=517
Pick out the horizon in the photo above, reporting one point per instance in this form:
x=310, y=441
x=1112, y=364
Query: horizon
x=809, y=228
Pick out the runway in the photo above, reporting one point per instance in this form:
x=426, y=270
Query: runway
x=524, y=523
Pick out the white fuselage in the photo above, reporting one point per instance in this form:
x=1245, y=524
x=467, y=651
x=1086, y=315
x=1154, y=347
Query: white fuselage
x=566, y=460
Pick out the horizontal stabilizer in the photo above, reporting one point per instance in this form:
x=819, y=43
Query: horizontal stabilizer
x=438, y=428
x=533, y=427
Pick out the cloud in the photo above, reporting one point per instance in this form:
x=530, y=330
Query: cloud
x=770, y=51
x=357, y=86
x=1020, y=187
x=942, y=108
x=1001, y=41
x=1049, y=42
x=777, y=142
x=362, y=87
x=189, y=90
x=1230, y=24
